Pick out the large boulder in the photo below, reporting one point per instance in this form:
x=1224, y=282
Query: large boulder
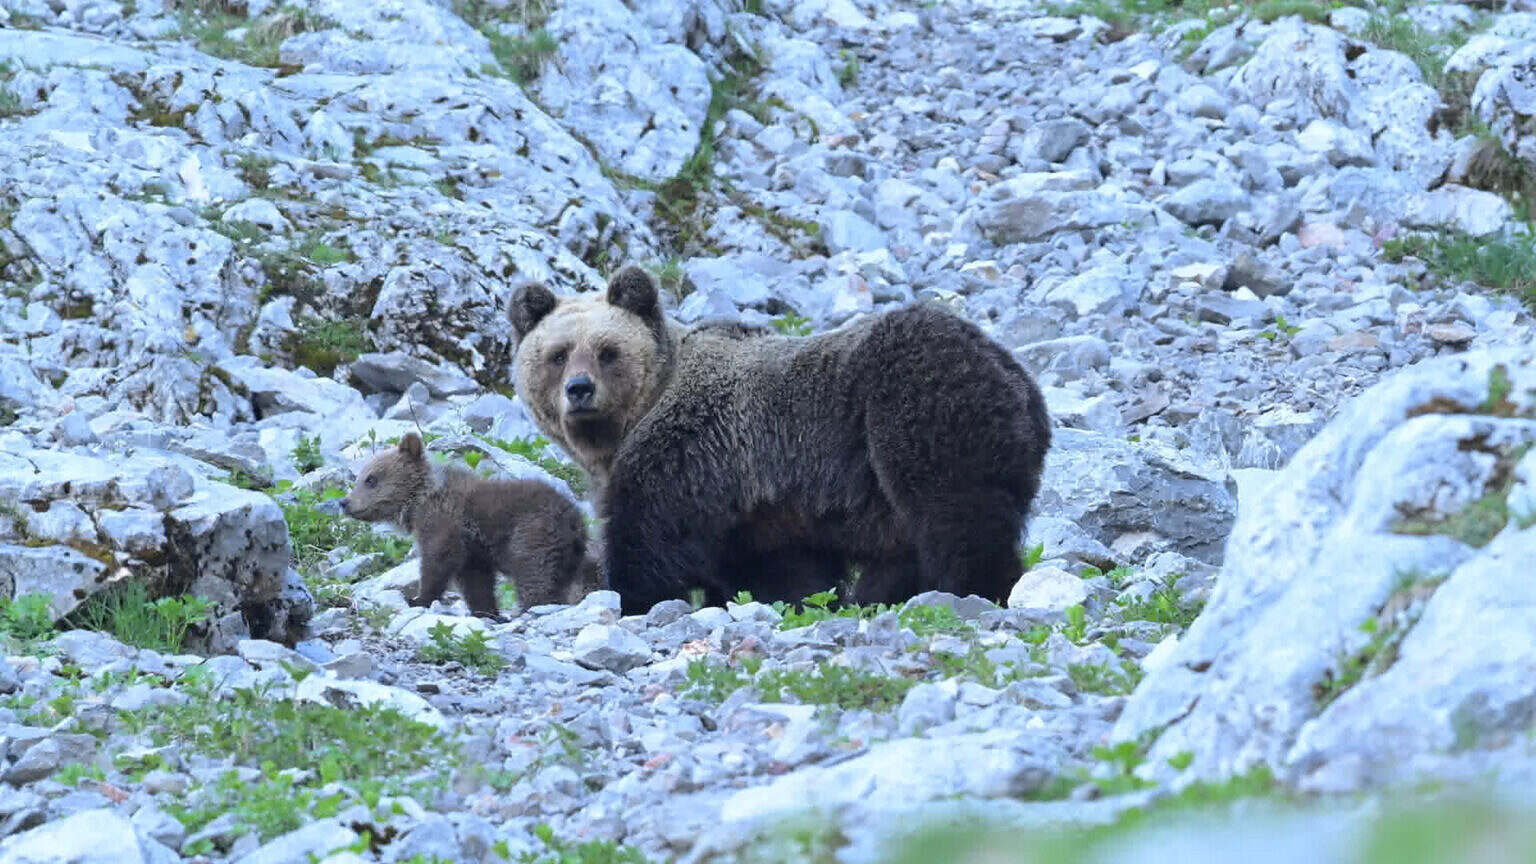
x=1127, y=495
x=1375, y=618
x=1505, y=99
x=640, y=99
x=101, y=836
x=78, y=522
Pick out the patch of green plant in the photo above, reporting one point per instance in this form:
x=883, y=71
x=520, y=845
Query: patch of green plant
x=25, y=621
x=255, y=170
x=792, y=324
x=521, y=58
x=1117, y=777
x=323, y=345
x=671, y=278
x=1385, y=632
x=293, y=272
x=977, y=666
x=532, y=14
x=536, y=450
x=306, y=454
x=558, y=851
x=826, y=684
x=1504, y=265
x=1499, y=386
x=1481, y=520
x=1163, y=606
x=677, y=199
x=923, y=620
x=128, y=613
x=243, y=233
x=314, y=532
x=472, y=650
x=70, y=775
x=1091, y=844
x=1456, y=830
x=713, y=682
x=10, y=103
x=210, y=25
x=1492, y=168
x=1282, y=327
x=1030, y=557
x=1076, y=626
x=802, y=234
x=1104, y=678
x=300, y=748
x=848, y=71
x=1270, y=11
x=275, y=805
x=25, y=21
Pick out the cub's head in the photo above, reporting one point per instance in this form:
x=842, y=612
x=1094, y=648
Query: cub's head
x=389, y=483
x=590, y=367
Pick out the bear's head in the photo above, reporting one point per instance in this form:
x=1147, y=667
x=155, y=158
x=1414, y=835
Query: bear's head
x=390, y=483
x=589, y=367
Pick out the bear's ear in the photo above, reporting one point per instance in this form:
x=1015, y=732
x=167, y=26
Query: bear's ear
x=632, y=290
x=410, y=446
x=530, y=303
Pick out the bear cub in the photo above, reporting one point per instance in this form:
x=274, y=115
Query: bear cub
x=469, y=528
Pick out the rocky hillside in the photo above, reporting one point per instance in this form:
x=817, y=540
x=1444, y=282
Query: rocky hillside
x=1272, y=263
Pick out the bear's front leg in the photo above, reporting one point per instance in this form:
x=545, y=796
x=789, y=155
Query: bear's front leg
x=653, y=552
x=442, y=558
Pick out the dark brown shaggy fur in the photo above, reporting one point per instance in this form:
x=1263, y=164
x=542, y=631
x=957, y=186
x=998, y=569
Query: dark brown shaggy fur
x=469, y=528
x=909, y=444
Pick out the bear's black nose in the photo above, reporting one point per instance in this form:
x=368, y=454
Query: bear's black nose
x=579, y=391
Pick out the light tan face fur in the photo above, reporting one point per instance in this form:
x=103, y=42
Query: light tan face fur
x=613, y=348
x=388, y=483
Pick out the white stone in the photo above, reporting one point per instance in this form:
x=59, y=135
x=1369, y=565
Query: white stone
x=1047, y=589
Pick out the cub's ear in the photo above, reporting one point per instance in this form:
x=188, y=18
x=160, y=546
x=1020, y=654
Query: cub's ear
x=530, y=303
x=631, y=289
x=410, y=446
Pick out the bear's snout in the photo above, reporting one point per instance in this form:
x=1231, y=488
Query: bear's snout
x=579, y=392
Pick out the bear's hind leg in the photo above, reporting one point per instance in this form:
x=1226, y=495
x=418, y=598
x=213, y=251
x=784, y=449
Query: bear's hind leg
x=443, y=556
x=478, y=583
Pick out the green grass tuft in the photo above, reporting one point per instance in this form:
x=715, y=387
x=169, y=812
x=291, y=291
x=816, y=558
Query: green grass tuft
x=134, y=619
x=1507, y=266
x=323, y=345
x=10, y=103
x=211, y=24
x=522, y=58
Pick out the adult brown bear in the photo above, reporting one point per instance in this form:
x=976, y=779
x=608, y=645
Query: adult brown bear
x=908, y=444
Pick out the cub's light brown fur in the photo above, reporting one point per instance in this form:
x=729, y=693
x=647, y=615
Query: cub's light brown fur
x=470, y=527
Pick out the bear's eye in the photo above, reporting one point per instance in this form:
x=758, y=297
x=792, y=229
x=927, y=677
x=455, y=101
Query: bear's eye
x=607, y=355
x=557, y=358
x=371, y=481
